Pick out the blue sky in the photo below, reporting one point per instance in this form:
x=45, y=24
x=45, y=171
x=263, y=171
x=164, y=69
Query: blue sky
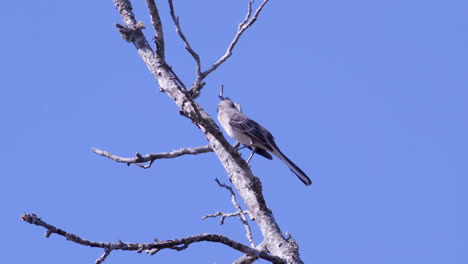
x=368, y=97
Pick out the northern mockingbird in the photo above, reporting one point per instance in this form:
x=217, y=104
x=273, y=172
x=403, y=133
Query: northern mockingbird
x=253, y=135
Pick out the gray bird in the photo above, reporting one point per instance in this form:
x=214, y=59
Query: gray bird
x=254, y=136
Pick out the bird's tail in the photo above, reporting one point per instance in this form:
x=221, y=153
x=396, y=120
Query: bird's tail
x=293, y=167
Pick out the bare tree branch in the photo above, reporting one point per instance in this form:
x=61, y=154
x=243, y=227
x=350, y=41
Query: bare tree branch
x=195, y=56
x=103, y=256
x=158, y=28
x=243, y=26
x=159, y=36
x=177, y=244
x=224, y=215
x=150, y=158
x=248, y=186
x=242, y=218
x=246, y=259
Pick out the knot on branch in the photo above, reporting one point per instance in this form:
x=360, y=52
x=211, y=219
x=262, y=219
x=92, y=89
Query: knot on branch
x=292, y=242
x=195, y=90
x=128, y=33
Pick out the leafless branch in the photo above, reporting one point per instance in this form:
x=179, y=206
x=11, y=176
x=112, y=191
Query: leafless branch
x=221, y=92
x=159, y=37
x=103, y=256
x=248, y=186
x=158, y=28
x=195, y=56
x=240, y=212
x=224, y=215
x=150, y=158
x=246, y=259
x=243, y=26
x=177, y=244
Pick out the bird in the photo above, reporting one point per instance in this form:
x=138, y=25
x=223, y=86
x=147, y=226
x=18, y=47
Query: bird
x=253, y=135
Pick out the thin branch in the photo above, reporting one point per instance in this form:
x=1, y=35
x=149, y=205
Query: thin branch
x=247, y=16
x=159, y=36
x=178, y=244
x=150, y=158
x=195, y=56
x=221, y=92
x=103, y=256
x=158, y=28
x=240, y=212
x=243, y=26
x=224, y=215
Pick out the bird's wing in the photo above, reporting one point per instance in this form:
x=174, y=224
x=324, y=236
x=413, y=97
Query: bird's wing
x=256, y=132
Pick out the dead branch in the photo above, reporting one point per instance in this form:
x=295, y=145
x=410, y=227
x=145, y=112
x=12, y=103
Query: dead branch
x=103, y=256
x=248, y=186
x=246, y=259
x=195, y=56
x=150, y=158
x=243, y=26
x=158, y=28
x=176, y=244
x=240, y=212
x=224, y=215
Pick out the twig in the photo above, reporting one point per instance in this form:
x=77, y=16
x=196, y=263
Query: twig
x=224, y=215
x=158, y=28
x=239, y=211
x=221, y=92
x=103, y=256
x=195, y=56
x=243, y=26
x=150, y=158
x=177, y=244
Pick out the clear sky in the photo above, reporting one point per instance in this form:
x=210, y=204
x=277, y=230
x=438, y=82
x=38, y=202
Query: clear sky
x=368, y=97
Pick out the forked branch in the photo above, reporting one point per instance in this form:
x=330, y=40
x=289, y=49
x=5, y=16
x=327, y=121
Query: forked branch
x=240, y=212
x=188, y=47
x=243, y=26
x=248, y=21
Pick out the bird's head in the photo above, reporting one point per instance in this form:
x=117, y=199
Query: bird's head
x=226, y=103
